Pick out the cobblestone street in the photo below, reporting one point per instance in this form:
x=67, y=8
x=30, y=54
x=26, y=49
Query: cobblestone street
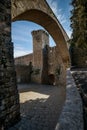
x=40, y=107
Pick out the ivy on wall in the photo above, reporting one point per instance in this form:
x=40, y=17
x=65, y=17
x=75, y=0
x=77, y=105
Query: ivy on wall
x=36, y=71
x=58, y=71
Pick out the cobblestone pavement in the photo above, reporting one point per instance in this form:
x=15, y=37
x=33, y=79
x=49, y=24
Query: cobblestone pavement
x=40, y=107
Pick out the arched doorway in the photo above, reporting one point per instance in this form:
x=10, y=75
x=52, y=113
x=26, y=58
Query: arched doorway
x=51, y=79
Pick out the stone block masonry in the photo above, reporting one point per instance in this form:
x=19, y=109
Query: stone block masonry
x=9, y=98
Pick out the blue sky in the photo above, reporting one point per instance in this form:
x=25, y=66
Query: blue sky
x=21, y=30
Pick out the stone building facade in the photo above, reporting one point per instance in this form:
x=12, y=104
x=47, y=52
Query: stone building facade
x=47, y=66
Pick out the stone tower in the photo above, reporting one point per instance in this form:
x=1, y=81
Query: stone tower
x=40, y=41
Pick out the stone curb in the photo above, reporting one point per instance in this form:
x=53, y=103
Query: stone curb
x=71, y=117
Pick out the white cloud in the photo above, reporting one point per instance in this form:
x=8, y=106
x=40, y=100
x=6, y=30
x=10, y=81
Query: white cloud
x=68, y=33
x=20, y=38
x=57, y=11
x=20, y=51
x=60, y=15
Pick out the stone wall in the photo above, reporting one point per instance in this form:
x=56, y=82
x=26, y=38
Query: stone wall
x=56, y=66
x=51, y=61
x=71, y=117
x=22, y=72
x=24, y=60
x=9, y=98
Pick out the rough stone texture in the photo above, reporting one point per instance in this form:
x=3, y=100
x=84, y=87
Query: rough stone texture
x=39, y=12
x=56, y=66
x=22, y=72
x=9, y=103
x=72, y=114
x=40, y=40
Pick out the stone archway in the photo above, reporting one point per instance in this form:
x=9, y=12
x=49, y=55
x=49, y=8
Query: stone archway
x=34, y=10
x=40, y=13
